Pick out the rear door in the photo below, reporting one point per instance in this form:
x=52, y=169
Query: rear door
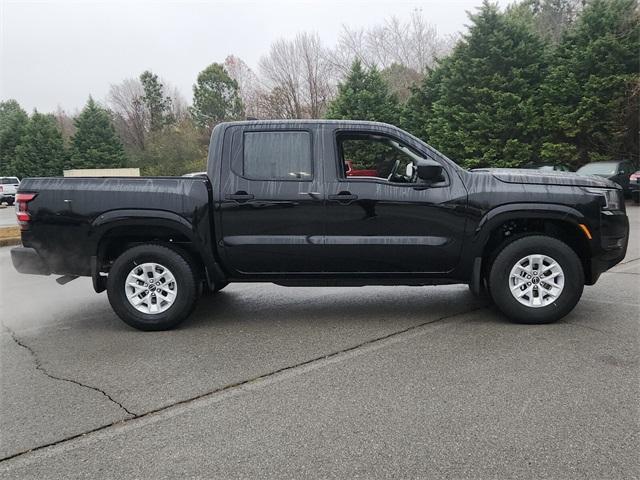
x=272, y=208
x=389, y=222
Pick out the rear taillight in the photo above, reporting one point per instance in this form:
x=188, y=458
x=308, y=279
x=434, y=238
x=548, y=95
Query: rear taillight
x=22, y=208
x=1, y=190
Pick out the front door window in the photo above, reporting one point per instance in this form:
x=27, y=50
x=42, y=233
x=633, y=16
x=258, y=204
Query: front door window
x=377, y=156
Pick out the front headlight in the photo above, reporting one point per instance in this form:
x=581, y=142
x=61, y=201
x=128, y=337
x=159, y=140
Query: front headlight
x=611, y=197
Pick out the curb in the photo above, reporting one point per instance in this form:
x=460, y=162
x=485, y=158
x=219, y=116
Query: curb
x=7, y=242
x=10, y=236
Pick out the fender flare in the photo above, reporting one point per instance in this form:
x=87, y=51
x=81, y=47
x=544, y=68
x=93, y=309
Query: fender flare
x=106, y=222
x=503, y=213
x=497, y=216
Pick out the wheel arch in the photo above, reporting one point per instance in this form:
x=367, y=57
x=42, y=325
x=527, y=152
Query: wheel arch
x=509, y=222
x=115, y=231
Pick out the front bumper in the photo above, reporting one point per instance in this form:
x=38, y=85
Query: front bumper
x=614, y=238
x=27, y=260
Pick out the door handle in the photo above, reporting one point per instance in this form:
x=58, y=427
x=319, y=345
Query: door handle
x=314, y=195
x=343, y=197
x=240, y=196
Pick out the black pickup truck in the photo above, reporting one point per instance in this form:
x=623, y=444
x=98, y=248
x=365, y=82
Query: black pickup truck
x=302, y=203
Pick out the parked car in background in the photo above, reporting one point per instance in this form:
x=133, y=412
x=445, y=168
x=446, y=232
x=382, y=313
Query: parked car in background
x=618, y=172
x=8, y=187
x=196, y=174
x=547, y=167
x=634, y=186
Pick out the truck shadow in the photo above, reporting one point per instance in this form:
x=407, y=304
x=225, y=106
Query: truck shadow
x=249, y=304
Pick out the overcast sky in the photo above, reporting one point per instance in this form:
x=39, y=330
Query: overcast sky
x=57, y=52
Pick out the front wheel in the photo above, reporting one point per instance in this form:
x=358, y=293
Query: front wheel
x=152, y=287
x=536, y=279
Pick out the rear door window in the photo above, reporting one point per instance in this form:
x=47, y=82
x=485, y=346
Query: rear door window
x=277, y=156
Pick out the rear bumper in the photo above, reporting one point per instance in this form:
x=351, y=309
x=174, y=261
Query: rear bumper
x=27, y=260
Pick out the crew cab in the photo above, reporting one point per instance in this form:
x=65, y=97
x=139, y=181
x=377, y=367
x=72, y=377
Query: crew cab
x=277, y=205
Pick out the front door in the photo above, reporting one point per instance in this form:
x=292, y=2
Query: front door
x=272, y=208
x=381, y=218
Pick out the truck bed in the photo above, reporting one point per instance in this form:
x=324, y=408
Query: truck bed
x=88, y=206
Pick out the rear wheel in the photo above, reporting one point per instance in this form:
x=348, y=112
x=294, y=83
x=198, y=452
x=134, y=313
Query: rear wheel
x=152, y=287
x=536, y=279
x=10, y=203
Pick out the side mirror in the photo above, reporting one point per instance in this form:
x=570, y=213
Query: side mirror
x=430, y=171
x=408, y=171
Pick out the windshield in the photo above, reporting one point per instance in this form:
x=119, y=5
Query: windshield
x=610, y=168
x=9, y=181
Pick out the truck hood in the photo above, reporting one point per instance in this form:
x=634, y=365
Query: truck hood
x=509, y=175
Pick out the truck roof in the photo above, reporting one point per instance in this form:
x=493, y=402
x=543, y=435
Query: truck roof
x=310, y=121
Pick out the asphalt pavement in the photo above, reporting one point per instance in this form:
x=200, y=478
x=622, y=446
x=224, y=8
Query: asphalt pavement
x=7, y=216
x=272, y=382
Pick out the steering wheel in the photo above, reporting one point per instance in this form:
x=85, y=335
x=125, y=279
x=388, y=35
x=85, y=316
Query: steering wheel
x=394, y=171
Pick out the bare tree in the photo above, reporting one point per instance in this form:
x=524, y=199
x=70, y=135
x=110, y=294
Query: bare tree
x=179, y=105
x=414, y=44
x=281, y=70
x=248, y=84
x=65, y=124
x=273, y=104
x=317, y=74
x=299, y=74
x=131, y=118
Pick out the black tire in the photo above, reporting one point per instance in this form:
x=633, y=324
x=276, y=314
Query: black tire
x=185, y=278
x=531, y=245
x=10, y=203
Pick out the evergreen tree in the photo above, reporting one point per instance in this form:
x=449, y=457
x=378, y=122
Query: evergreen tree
x=95, y=144
x=364, y=95
x=591, y=95
x=548, y=18
x=157, y=103
x=41, y=151
x=216, y=97
x=13, y=121
x=175, y=150
x=479, y=105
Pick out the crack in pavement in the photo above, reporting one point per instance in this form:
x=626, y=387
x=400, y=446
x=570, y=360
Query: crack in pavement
x=41, y=369
x=629, y=261
x=239, y=384
x=588, y=327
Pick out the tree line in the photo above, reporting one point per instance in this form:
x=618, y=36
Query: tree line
x=541, y=81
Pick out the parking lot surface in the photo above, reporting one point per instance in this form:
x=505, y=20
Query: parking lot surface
x=7, y=216
x=273, y=382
